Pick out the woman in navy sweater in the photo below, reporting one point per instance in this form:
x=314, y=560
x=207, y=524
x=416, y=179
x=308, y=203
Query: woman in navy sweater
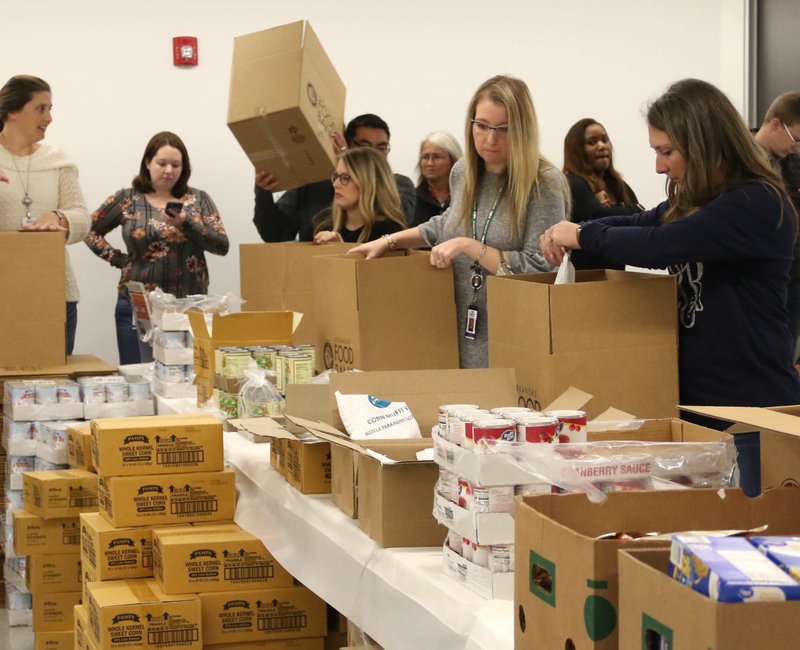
x=726, y=232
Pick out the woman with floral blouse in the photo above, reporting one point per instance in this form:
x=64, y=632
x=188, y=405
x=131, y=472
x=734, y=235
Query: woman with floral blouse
x=165, y=249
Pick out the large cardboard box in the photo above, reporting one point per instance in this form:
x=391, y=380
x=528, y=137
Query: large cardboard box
x=160, y=444
x=566, y=580
x=286, y=101
x=308, y=643
x=193, y=559
x=53, y=612
x=49, y=574
x=137, y=614
x=262, y=615
x=252, y=328
x=60, y=493
x=613, y=334
x=36, y=536
x=79, y=447
x=33, y=287
x=278, y=276
x=392, y=313
x=111, y=553
x=655, y=608
x=81, y=630
x=64, y=640
x=176, y=499
x=423, y=390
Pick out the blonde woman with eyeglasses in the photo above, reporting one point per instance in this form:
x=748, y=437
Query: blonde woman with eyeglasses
x=505, y=195
x=366, y=204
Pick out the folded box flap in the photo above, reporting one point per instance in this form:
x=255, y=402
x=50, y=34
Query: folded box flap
x=763, y=418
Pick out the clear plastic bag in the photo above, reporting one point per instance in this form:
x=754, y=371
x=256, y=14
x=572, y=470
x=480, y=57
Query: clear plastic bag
x=258, y=397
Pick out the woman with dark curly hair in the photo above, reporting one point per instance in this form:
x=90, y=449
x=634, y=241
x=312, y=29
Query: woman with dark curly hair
x=166, y=243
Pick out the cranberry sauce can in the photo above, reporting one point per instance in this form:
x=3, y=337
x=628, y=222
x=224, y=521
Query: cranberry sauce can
x=537, y=428
x=494, y=429
x=572, y=425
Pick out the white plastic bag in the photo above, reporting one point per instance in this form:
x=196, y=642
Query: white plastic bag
x=566, y=272
x=258, y=397
x=367, y=416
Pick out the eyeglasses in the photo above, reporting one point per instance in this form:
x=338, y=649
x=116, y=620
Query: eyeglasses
x=795, y=143
x=344, y=179
x=485, y=129
x=432, y=157
x=383, y=147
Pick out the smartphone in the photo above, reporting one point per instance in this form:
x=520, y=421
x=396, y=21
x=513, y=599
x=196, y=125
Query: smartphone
x=173, y=208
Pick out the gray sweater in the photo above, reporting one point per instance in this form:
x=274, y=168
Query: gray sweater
x=546, y=207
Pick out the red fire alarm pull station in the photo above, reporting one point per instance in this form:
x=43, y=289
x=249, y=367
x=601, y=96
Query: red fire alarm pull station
x=184, y=50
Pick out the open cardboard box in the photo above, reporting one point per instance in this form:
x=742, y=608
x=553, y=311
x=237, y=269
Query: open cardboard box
x=392, y=313
x=278, y=276
x=612, y=333
x=251, y=328
x=779, y=430
x=286, y=101
x=301, y=457
x=567, y=585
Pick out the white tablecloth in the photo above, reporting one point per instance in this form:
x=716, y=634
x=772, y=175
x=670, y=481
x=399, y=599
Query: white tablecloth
x=400, y=597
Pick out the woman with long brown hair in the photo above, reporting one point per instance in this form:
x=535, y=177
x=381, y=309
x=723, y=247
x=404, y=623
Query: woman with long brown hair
x=726, y=231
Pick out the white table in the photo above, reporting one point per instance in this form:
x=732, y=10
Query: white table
x=400, y=597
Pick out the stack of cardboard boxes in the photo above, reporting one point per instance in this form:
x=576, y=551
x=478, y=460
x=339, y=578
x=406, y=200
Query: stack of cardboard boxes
x=163, y=566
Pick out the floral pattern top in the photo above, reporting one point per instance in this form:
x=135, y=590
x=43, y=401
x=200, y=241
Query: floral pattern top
x=159, y=255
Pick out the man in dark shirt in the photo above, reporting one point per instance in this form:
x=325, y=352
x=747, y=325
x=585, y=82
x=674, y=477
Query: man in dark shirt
x=292, y=215
x=779, y=135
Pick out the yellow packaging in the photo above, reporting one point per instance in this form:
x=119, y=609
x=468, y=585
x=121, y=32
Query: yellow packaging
x=36, y=536
x=64, y=640
x=194, y=559
x=262, y=615
x=176, y=499
x=81, y=626
x=53, y=612
x=79, y=447
x=49, y=574
x=59, y=493
x=137, y=614
x=110, y=553
x=159, y=444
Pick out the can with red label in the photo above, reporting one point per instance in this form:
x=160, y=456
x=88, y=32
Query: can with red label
x=466, y=549
x=572, y=425
x=480, y=555
x=465, y=499
x=510, y=411
x=493, y=429
x=458, y=423
x=495, y=498
x=444, y=413
x=454, y=541
x=537, y=428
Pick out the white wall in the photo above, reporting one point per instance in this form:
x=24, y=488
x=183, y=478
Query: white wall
x=414, y=63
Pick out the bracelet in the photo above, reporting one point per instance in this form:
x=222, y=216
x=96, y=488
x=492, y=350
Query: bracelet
x=390, y=242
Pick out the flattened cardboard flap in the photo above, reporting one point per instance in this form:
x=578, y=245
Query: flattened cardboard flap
x=753, y=416
x=571, y=399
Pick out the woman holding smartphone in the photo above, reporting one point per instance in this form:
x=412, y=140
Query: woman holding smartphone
x=167, y=227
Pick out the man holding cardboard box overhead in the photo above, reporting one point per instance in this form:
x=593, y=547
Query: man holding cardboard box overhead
x=293, y=214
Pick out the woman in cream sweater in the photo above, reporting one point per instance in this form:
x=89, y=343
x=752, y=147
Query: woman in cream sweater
x=39, y=187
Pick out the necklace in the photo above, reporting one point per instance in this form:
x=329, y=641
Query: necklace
x=26, y=200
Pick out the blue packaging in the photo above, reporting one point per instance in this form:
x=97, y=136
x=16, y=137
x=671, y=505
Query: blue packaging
x=782, y=550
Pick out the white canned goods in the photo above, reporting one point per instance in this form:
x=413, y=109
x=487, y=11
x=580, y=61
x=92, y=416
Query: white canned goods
x=510, y=412
x=443, y=416
x=537, y=428
x=138, y=389
x=93, y=393
x=457, y=422
x=466, y=549
x=454, y=541
x=501, y=558
x=17, y=430
x=21, y=392
x=116, y=393
x=46, y=393
x=572, y=426
x=447, y=486
x=68, y=393
x=531, y=489
x=480, y=555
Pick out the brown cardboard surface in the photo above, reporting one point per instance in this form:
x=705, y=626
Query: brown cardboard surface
x=46, y=574
x=53, y=612
x=251, y=328
x=286, y=101
x=311, y=643
x=34, y=535
x=33, y=286
x=137, y=614
x=208, y=559
x=54, y=640
x=278, y=276
x=76, y=365
x=613, y=334
x=650, y=600
x=81, y=618
x=158, y=500
x=371, y=313
x=60, y=493
x=111, y=553
x=555, y=535
x=79, y=447
x=158, y=444
x=262, y=614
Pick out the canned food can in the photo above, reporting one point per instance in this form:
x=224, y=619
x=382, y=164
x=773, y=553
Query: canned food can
x=311, y=350
x=465, y=494
x=454, y=541
x=572, y=425
x=466, y=549
x=537, y=428
x=480, y=555
x=42, y=465
x=501, y=558
x=531, y=489
x=495, y=498
x=17, y=430
x=116, y=393
x=444, y=408
x=447, y=486
x=21, y=392
x=493, y=429
x=139, y=389
x=298, y=368
x=458, y=424
x=509, y=412
x=265, y=357
x=93, y=393
x=20, y=464
x=68, y=393
x=171, y=340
